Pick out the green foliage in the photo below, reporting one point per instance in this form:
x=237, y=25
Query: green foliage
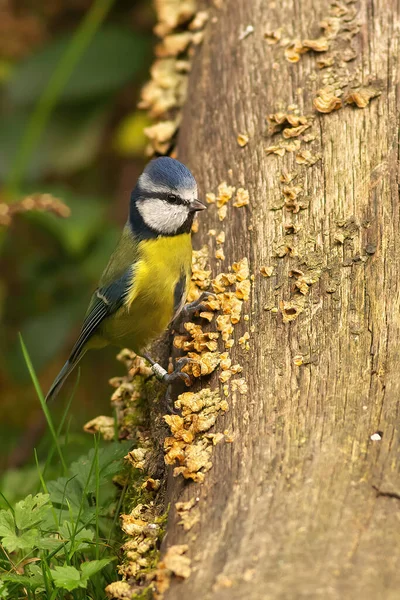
x=62, y=540
x=112, y=58
x=75, y=250
x=62, y=103
x=70, y=578
x=69, y=143
x=49, y=97
x=60, y=107
x=19, y=530
x=63, y=532
x=66, y=577
x=31, y=511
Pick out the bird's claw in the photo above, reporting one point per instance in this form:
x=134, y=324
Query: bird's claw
x=169, y=378
x=170, y=408
x=197, y=305
x=177, y=372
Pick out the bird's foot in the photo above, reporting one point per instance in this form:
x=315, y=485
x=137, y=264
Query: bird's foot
x=197, y=305
x=170, y=403
x=170, y=378
x=191, y=309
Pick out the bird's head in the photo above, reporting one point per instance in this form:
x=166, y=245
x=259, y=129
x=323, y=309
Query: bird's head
x=164, y=200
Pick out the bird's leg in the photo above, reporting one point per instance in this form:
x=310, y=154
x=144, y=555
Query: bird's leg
x=190, y=309
x=170, y=378
x=164, y=376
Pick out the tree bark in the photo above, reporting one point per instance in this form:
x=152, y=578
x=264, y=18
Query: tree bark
x=303, y=503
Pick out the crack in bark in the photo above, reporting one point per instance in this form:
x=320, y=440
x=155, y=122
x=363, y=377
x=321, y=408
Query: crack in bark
x=386, y=494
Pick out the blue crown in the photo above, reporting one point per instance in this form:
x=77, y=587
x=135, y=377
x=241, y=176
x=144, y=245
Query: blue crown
x=171, y=173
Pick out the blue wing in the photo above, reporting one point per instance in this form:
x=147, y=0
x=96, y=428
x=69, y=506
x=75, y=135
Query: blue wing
x=114, y=284
x=105, y=301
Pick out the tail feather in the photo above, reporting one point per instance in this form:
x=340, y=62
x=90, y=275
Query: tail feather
x=62, y=376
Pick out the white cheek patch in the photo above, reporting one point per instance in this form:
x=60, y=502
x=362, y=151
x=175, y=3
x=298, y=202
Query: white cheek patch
x=161, y=216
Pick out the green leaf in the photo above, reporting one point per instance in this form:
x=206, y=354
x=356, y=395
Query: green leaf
x=67, y=529
x=36, y=576
x=7, y=524
x=113, y=57
x=13, y=578
x=65, y=487
x=32, y=510
x=80, y=539
x=32, y=582
x=48, y=543
x=4, y=593
x=67, y=578
x=67, y=492
x=109, y=463
x=25, y=541
x=88, y=569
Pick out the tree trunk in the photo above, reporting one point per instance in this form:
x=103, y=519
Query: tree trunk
x=304, y=502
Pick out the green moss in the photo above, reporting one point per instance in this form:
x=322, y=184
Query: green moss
x=145, y=594
x=137, y=421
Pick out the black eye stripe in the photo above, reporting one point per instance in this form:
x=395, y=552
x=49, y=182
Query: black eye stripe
x=163, y=196
x=173, y=199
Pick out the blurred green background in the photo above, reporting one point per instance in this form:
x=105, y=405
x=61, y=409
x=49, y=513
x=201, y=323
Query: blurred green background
x=81, y=141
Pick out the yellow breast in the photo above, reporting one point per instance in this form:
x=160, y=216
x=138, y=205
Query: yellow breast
x=161, y=264
x=149, y=304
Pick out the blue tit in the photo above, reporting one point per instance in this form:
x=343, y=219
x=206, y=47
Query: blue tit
x=145, y=284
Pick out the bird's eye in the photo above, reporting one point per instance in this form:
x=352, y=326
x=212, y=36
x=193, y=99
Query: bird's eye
x=173, y=199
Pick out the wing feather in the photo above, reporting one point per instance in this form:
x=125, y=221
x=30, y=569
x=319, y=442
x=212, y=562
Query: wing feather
x=105, y=302
x=115, y=283
x=90, y=324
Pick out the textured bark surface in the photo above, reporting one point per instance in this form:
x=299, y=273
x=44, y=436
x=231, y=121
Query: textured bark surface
x=303, y=504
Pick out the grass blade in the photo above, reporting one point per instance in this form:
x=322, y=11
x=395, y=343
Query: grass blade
x=44, y=406
x=44, y=486
x=48, y=100
x=61, y=425
x=97, y=475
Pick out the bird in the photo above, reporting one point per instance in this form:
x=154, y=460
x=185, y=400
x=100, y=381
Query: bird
x=145, y=284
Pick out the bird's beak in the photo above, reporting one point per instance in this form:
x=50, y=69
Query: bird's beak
x=196, y=205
